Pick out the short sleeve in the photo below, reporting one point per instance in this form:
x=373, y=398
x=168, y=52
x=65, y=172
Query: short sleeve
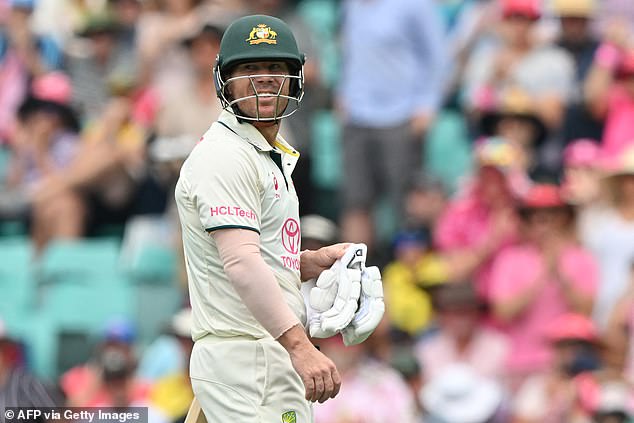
x=225, y=189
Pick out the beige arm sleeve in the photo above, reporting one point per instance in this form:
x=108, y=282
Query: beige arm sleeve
x=253, y=280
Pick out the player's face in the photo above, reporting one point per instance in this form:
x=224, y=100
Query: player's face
x=260, y=84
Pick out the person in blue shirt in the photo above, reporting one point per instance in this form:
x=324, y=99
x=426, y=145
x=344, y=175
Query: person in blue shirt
x=392, y=83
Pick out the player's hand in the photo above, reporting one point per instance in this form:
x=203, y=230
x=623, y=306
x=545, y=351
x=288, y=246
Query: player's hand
x=312, y=263
x=318, y=373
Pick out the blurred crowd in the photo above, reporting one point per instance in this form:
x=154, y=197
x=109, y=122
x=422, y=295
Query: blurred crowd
x=484, y=151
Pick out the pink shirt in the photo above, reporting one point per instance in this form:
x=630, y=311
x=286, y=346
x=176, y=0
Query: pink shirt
x=467, y=224
x=619, y=125
x=372, y=393
x=81, y=379
x=487, y=354
x=514, y=272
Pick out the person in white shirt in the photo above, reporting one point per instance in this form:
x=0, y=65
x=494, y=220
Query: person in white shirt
x=252, y=360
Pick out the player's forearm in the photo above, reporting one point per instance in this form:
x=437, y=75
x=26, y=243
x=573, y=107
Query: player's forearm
x=254, y=281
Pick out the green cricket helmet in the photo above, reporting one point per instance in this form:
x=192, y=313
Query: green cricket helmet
x=253, y=39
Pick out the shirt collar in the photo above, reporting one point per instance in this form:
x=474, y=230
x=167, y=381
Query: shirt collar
x=250, y=134
x=245, y=131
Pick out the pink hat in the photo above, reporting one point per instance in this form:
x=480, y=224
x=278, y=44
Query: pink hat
x=582, y=152
x=541, y=196
x=54, y=87
x=572, y=327
x=530, y=8
x=51, y=92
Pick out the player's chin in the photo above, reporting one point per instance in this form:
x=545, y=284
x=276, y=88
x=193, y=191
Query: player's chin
x=269, y=112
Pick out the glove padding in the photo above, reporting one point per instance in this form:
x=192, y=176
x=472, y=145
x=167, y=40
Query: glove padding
x=371, y=308
x=335, y=297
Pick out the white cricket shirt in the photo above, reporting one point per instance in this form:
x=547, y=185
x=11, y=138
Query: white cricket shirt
x=234, y=178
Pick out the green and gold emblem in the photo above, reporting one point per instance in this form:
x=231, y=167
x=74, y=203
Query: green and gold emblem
x=289, y=417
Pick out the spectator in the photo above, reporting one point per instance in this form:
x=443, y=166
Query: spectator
x=517, y=121
x=365, y=377
x=470, y=24
x=111, y=166
x=108, y=379
x=168, y=354
x=609, y=234
x=389, y=91
x=518, y=62
x=425, y=203
x=160, y=32
x=609, y=89
x=406, y=363
x=23, y=55
x=482, y=220
x=581, y=181
x=18, y=387
x=552, y=396
x=172, y=394
x=581, y=176
x=461, y=337
x=578, y=39
x=406, y=280
x=460, y=395
x=44, y=145
x=318, y=231
x=545, y=276
x=105, y=60
x=189, y=102
x=127, y=14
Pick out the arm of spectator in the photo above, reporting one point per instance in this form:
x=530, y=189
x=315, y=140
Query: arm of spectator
x=17, y=163
x=579, y=301
x=24, y=45
x=616, y=335
x=464, y=260
x=600, y=79
x=461, y=264
x=157, y=34
x=550, y=109
x=478, y=80
x=509, y=309
x=98, y=153
x=577, y=274
x=553, y=84
x=515, y=284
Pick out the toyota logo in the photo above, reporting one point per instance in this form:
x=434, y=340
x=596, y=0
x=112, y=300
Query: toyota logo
x=291, y=237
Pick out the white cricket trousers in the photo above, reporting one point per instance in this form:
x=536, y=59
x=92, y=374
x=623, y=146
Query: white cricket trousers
x=247, y=380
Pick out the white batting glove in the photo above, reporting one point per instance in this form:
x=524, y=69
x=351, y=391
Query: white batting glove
x=335, y=297
x=371, y=308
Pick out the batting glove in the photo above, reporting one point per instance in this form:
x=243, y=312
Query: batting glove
x=371, y=308
x=335, y=297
